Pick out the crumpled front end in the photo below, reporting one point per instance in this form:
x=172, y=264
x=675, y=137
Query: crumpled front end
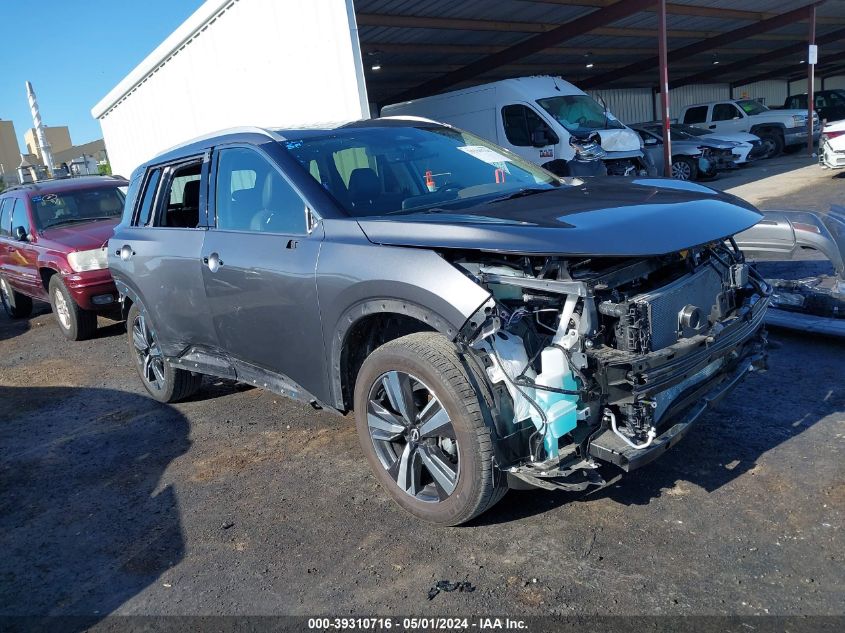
x=597, y=361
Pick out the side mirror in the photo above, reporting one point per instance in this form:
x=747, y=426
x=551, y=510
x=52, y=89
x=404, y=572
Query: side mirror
x=310, y=220
x=20, y=234
x=539, y=138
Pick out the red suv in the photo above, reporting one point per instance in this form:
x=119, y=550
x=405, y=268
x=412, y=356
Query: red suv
x=53, y=240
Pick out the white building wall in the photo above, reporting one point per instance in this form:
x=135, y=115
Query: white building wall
x=799, y=86
x=836, y=82
x=771, y=92
x=233, y=63
x=629, y=105
x=680, y=98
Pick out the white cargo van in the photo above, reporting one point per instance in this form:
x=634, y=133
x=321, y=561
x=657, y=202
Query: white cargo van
x=534, y=117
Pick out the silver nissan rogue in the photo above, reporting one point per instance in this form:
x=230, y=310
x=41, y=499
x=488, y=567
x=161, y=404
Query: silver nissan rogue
x=489, y=324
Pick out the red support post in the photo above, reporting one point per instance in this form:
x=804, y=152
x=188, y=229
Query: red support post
x=664, y=87
x=811, y=82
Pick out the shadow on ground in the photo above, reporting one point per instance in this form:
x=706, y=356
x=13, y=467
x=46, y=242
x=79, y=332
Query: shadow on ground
x=85, y=522
x=725, y=443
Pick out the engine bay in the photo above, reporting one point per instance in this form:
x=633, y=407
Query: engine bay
x=581, y=348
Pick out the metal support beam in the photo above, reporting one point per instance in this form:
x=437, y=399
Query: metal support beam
x=578, y=26
x=709, y=44
x=751, y=62
x=811, y=83
x=662, y=48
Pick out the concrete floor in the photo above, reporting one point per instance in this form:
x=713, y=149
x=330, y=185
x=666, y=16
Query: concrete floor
x=241, y=502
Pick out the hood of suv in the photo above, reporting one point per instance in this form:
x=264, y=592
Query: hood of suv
x=81, y=236
x=607, y=216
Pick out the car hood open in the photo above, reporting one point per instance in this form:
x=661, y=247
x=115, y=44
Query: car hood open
x=605, y=216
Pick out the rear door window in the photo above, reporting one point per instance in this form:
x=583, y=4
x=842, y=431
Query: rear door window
x=698, y=114
x=180, y=196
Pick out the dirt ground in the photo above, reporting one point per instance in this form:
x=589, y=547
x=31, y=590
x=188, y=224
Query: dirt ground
x=241, y=502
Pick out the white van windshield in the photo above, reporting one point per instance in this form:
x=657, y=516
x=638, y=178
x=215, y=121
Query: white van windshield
x=579, y=113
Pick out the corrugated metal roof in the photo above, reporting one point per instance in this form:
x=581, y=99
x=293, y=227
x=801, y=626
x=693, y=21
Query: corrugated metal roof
x=412, y=30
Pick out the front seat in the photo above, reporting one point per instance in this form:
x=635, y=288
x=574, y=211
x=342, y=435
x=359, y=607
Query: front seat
x=364, y=188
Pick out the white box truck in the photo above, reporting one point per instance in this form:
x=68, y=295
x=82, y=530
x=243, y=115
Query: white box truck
x=536, y=117
x=268, y=63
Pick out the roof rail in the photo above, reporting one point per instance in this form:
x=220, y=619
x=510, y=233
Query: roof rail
x=246, y=129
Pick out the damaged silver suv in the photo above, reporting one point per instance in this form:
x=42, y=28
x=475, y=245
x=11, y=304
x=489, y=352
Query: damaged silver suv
x=490, y=325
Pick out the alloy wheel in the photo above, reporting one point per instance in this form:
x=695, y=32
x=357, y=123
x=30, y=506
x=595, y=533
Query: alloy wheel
x=62, y=310
x=413, y=437
x=150, y=359
x=681, y=170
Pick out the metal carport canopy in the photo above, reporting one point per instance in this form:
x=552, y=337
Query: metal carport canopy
x=421, y=47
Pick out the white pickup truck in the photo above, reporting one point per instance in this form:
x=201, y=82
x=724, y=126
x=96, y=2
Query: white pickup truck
x=777, y=128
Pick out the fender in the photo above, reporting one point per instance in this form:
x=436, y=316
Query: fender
x=361, y=310
x=763, y=127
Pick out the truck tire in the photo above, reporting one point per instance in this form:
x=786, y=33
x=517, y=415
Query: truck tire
x=775, y=141
x=16, y=305
x=684, y=168
x=162, y=381
x=421, y=426
x=75, y=323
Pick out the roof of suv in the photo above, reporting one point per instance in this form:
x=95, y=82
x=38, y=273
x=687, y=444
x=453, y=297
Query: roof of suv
x=56, y=185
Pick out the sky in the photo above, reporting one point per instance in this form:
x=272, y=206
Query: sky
x=74, y=53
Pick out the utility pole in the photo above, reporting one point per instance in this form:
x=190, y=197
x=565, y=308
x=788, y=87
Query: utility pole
x=664, y=87
x=812, y=58
x=40, y=136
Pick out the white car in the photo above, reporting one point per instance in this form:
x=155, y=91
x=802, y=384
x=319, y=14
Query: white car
x=749, y=147
x=832, y=146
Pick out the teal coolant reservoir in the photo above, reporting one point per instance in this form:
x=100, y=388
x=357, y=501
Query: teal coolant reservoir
x=561, y=409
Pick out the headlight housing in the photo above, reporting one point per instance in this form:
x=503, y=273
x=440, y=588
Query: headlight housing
x=95, y=259
x=799, y=120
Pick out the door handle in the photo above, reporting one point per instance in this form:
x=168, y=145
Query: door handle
x=125, y=252
x=213, y=262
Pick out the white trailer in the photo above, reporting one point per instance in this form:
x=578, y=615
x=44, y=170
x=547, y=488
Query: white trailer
x=268, y=63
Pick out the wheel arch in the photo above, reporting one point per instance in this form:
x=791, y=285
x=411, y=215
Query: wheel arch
x=368, y=325
x=766, y=128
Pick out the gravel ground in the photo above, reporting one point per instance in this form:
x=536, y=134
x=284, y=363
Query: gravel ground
x=241, y=502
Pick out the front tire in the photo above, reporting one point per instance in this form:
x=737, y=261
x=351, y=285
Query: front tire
x=74, y=322
x=684, y=168
x=16, y=305
x=421, y=426
x=162, y=381
x=775, y=143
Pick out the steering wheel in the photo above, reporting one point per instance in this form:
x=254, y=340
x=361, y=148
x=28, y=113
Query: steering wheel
x=582, y=120
x=450, y=186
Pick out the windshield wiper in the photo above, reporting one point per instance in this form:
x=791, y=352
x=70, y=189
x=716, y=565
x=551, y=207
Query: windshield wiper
x=72, y=220
x=529, y=191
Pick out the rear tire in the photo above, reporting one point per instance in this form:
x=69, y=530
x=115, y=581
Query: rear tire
x=16, y=305
x=74, y=322
x=421, y=426
x=162, y=381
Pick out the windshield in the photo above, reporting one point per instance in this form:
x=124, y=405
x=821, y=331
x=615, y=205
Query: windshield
x=408, y=169
x=752, y=107
x=579, y=113
x=86, y=205
x=689, y=129
x=676, y=134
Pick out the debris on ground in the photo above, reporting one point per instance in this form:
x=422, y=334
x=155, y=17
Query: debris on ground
x=227, y=525
x=445, y=585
